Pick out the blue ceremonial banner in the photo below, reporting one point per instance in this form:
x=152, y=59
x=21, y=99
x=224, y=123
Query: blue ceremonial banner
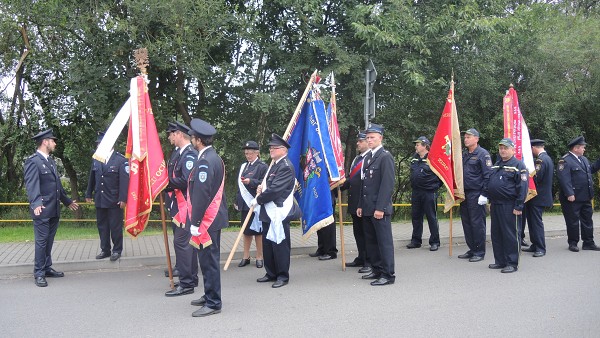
x=313, y=158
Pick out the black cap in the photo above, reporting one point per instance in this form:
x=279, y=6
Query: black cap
x=471, y=131
x=182, y=127
x=201, y=128
x=507, y=142
x=362, y=135
x=537, y=142
x=171, y=127
x=100, y=137
x=251, y=145
x=44, y=135
x=576, y=141
x=423, y=140
x=277, y=140
x=374, y=128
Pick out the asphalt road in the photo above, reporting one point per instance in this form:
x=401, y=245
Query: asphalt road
x=434, y=295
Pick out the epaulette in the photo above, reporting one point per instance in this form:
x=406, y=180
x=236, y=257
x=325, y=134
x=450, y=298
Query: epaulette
x=191, y=156
x=539, y=160
x=565, y=156
x=32, y=156
x=286, y=161
x=413, y=160
x=561, y=160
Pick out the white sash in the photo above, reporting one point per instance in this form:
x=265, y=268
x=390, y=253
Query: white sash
x=277, y=215
x=256, y=225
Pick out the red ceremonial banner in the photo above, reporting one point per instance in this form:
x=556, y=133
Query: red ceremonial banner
x=336, y=143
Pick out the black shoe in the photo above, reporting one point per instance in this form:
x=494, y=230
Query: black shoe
x=259, y=263
x=205, y=311
x=102, y=255
x=434, y=247
x=382, y=281
x=175, y=273
x=265, y=279
x=476, y=259
x=593, y=247
x=372, y=275
x=279, y=283
x=115, y=256
x=326, y=257
x=315, y=254
x=539, y=254
x=41, y=281
x=199, y=302
x=354, y=263
x=55, y=274
x=466, y=255
x=523, y=243
x=530, y=249
x=496, y=266
x=412, y=245
x=365, y=269
x=244, y=262
x=509, y=269
x=179, y=291
x=574, y=248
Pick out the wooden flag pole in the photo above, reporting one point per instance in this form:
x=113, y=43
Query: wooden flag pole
x=166, y=238
x=237, y=240
x=450, y=240
x=341, y=216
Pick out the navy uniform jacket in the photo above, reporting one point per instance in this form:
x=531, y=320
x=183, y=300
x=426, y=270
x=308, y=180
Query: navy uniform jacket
x=575, y=177
x=508, y=183
x=204, y=183
x=182, y=166
x=109, y=181
x=353, y=185
x=544, y=172
x=421, y=176
x=477, y=167
x=169, y=197
x=43, y=186
x=281, y=180
x=255, y=172
x=378, y=183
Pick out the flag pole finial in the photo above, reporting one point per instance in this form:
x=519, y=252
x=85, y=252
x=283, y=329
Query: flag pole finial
x=511, y=86
x=141, y=59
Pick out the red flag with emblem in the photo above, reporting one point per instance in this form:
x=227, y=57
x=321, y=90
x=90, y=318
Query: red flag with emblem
x=334, y=133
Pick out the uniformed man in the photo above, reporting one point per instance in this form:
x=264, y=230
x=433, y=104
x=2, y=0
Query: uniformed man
x=477, y=166
x=375, y=207
x=277, y=209
x=207, y=214
x=507, y=189
x=108, y=184
x=576, y=193
x=250, y=177
x=534, y=208
x=44, y=192
x=326, y=237
x=425, y=184
x=353, y=184
x=186, y=255
x=170, y=195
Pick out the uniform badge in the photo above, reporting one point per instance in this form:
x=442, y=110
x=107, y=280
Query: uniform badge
x=561, y=165
x=488, y=162
x=127, y=169
x=524, y=176
x=202, y=176
x=189, y=165
x=538, y=167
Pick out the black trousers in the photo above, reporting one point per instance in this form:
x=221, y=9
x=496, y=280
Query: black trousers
x=209, y=261
x=380, y=245
x=326, y=241
x=277, y=256
x=110, y=227
x=186, y=256
x=359, y=235
x=506, y=238
x=578, y=214
x=472, y=216
x=44, y=230
x=533, y=215
x=424, y=204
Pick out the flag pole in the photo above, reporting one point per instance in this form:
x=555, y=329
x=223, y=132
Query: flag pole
x=237, y=240
x=341, y=217
x=450, y=240
x=166, y=239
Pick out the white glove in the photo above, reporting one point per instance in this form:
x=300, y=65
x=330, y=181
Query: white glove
x=482, y=200
x=253, y=203
x=195, y=230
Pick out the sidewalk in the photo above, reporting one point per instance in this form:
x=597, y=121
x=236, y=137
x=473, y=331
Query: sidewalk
x=78, y=255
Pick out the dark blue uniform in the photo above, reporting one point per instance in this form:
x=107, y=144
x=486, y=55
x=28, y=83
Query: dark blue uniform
x=575, y=178
x=44, y=189
x=280, y=181
x=425, y=184
x=376, y=194
x=476, y=173
x=534, y=208
x=353, y=185
x=109, y=183
x=185, y=254
x=204, y=183
x=507, y=189
x=255, y=172
x=170, y=199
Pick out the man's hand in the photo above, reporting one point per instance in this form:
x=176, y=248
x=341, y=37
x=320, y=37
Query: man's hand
x=89, y=200
x=253, y=203
x=517, y=212
x=482, y=200
x=246, y=181
x=194, y=230
x=122, y=205
x=38, y=210
x=259, y=189
x=378, y=214
x=359, y=212
x=74, y=206
x=571, y=198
